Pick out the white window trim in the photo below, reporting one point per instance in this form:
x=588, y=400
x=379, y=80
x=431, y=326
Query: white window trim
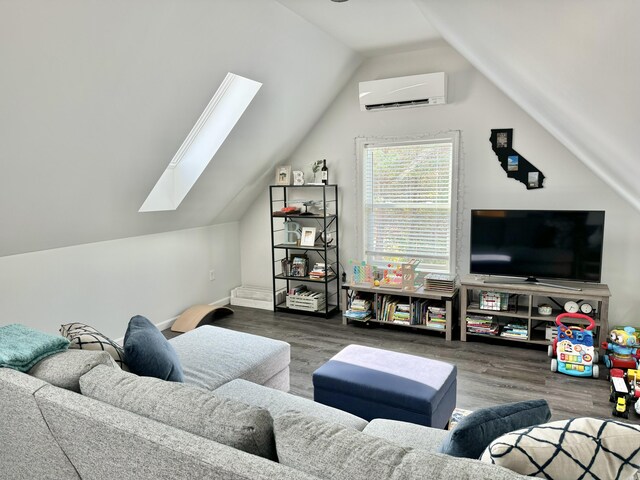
x=208, y=134
x=362, y=142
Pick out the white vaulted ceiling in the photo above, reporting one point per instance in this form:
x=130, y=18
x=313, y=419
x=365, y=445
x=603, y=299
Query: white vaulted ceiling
x=96, y=98
x=573, y=65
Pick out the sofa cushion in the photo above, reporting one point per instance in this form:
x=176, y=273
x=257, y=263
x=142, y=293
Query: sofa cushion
x=406, y=434
x=189, y=408
x=279, y=403
x=65, y=369
x=148, y=353
x=477, y=430
x=85, y=337
x=331, y=451
x=575, y=448
x=212, y=356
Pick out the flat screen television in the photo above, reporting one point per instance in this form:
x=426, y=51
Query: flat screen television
x=553, y=244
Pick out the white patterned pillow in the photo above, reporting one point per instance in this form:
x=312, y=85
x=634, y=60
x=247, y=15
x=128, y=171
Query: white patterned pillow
x=570, y=449
x=86, y=337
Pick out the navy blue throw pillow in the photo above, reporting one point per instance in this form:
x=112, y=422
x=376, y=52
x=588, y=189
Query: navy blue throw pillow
x=477, y=430
x=148, y=353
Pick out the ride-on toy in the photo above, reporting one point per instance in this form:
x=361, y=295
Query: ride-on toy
x=573, y=348
x=622, y=349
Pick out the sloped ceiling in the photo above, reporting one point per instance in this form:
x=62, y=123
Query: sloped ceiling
x=96, y=97
x=573, y=65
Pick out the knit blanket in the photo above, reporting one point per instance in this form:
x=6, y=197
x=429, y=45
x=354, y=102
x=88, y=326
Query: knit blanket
x=22, y=347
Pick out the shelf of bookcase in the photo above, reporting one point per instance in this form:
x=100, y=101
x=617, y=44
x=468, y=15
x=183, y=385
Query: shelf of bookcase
x=299, y=215
x=510, y=339
x=318, y=248
x=446, y=299
x=328, y=278
x=281, y=307
x=522, y=312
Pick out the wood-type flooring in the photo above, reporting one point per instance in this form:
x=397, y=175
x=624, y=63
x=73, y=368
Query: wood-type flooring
x=489, y=372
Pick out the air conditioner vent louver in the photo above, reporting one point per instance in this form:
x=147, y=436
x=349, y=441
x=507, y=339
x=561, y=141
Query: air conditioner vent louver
x=404, y=92
x=407, y=103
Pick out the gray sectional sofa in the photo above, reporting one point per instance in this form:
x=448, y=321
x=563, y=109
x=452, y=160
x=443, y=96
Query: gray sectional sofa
x=85, y=418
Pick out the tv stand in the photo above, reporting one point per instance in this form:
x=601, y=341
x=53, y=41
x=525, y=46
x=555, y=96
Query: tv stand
x=522, y=308
x=534, y=280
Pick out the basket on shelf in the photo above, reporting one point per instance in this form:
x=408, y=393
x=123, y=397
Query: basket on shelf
x=494, y=301
x=309, y=303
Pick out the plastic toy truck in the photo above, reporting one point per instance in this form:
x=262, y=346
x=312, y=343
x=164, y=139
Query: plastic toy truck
x=573, y=348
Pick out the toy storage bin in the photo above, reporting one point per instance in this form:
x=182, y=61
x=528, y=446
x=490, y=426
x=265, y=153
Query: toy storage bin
x=494, y=300
x=306, y=302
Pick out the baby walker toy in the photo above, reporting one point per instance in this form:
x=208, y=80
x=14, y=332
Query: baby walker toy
x=573, y=348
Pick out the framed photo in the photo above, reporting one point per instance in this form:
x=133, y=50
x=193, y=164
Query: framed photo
x=298, y=265
x=308, y=238
x=283, y=175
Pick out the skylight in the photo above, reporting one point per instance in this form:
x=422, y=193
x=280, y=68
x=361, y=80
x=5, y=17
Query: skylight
x=210, y=131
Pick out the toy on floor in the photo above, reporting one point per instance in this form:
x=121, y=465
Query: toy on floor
x=622, y=349
x=573, y=348
x=624, y=391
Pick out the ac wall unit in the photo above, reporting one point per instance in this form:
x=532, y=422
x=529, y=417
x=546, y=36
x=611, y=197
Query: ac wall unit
x=403, y=92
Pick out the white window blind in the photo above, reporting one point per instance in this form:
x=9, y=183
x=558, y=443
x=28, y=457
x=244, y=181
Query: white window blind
x=408, y=204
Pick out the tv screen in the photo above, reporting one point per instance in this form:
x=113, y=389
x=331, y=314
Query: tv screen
x=558, y=244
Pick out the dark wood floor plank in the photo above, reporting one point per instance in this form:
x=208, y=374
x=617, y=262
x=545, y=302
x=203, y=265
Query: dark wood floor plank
x=488, y=373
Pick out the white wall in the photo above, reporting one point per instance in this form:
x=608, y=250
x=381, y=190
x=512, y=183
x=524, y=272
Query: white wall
x=476, y=106
x=104, y=284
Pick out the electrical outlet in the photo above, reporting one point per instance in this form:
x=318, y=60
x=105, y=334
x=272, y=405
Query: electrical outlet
x=212, y=275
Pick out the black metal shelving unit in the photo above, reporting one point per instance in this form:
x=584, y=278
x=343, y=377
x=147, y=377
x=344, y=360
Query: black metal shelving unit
x=325, y=223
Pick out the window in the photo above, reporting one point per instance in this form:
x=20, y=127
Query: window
x=212, y=128
x=407, y=195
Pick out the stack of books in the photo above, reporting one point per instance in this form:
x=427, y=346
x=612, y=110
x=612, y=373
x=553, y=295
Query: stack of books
x=515, y=330
x=360, y=310
x=402, y=314
x=440, y=282
x=437, y=318
x=482, y=324
x=319, y=271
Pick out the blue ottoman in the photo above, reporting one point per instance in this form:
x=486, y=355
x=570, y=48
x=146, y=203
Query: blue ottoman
x=374, y=383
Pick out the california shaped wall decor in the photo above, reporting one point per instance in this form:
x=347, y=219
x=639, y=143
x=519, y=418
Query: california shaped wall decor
x=514, y=164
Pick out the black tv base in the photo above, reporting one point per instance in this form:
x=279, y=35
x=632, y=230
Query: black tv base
x=515, y=281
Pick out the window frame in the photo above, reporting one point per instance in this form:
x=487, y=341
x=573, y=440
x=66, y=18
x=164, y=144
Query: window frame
x=361, y=143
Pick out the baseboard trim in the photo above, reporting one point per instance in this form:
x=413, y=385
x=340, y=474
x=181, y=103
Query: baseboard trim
x=167, y=323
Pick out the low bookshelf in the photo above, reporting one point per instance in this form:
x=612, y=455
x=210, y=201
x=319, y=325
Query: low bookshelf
x=420, y=309
x=482, y=301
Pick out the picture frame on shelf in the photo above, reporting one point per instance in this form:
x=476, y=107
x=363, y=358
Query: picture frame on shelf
x=308, y=237
x=298, y=265
x=283, y=175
